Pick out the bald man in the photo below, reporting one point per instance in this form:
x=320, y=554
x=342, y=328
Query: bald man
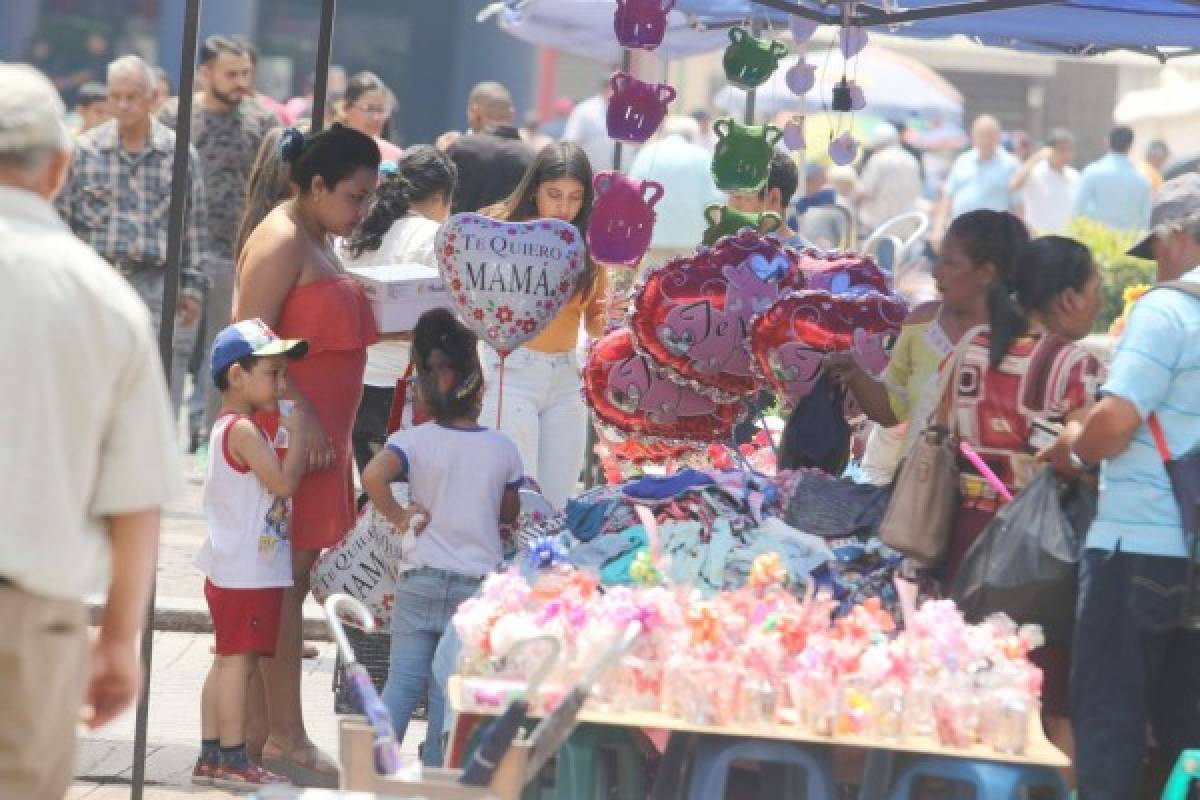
x=492, y=158
x=979, y=179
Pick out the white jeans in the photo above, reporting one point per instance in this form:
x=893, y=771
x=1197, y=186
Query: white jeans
x=543, y=413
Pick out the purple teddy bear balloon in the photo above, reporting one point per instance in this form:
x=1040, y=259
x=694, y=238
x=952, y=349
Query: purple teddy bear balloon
x=637, y=108
x=642, y=24
x=622, y=219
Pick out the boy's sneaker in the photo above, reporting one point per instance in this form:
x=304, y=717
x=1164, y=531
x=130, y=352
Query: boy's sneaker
x=248, y=777
x=204, y=772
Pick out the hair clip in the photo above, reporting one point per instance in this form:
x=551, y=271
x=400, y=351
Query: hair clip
x=291, y=144
x=388, y=167
x=468, y=386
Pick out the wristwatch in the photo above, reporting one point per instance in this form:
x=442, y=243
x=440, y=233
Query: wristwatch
x=1077, y=463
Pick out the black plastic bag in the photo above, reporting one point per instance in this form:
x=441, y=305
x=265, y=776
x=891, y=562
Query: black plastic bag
x=1025, y=563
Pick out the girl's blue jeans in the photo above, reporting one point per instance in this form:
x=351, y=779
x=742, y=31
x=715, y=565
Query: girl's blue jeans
x=425, y=600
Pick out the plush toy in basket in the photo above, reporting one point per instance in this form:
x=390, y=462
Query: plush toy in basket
x=366, y=564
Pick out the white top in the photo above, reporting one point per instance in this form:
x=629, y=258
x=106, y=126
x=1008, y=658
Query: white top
x=892, y=178
x=1049, y=198
x=248, y=545
x=410, y=240
x=459, y=476
x=86, y=425
x=587, y=126
x=684, y=171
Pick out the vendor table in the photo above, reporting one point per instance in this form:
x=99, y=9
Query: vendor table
x=1038, y=752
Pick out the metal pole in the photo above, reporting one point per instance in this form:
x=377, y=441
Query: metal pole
x=756, y=28
x=591, y=472
x=324, y=51
x=166, y=337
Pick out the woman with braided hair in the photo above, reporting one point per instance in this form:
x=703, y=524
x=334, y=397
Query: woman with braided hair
x=409, y=206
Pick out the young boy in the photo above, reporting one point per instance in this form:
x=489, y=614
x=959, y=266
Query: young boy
x=247, y=557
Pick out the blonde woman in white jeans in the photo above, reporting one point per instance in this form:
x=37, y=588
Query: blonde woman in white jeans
x=543, y=410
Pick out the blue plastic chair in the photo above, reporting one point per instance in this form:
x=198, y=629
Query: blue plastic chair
x=989, y=780
x=715, y=756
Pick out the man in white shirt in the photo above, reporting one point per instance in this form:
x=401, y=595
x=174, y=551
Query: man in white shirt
x=891, y=181
x=88, y=457
x=684, y=170
x=1048, y=184
x=588, y=127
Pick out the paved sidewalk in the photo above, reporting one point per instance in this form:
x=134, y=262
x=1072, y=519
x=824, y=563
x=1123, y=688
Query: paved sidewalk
x=181, y=660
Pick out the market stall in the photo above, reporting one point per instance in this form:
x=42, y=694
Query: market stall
x=801, y=611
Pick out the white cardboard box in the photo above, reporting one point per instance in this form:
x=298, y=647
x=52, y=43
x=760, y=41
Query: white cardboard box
x=401, y=293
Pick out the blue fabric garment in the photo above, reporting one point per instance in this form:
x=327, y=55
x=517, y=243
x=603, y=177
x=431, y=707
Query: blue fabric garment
x=655, y=488
x=586, y=519
x=1156, y=368
x=616, y=571
x=593, y=555
x=974, y=184
x=802, y=554
x=1113, y=191
x=826, y=506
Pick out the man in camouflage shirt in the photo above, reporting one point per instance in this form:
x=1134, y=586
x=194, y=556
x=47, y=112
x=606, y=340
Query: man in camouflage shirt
x=228, y=127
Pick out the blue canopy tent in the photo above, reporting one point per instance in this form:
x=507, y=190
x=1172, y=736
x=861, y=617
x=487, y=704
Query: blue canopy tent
x=1158, y=28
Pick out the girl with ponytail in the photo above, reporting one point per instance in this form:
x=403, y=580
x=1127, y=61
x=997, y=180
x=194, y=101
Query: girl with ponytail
x=463, y=481
x=1025, y=367
x=401, y=226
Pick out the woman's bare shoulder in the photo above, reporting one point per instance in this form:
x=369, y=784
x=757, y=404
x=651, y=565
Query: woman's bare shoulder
x=275, y=241
x=926, y=312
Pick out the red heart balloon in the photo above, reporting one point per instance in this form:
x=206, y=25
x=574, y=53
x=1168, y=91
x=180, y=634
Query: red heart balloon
x=637, y=450
x=790, y=340
x=693, y=315
x=628, y=391
x=847, y=273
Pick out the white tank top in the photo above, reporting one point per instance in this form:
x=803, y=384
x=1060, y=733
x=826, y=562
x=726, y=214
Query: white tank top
x=248, y=545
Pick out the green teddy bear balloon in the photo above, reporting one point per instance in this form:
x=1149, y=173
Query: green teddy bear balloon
x=742, y=159
x=750, y=61
x=725, y=221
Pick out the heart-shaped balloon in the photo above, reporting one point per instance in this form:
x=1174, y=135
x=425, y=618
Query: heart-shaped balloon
x=847, y=273
x=790, y=340
x=843, y=150
x=803, y=29
x=632, y=393
x=851, y=41
x=693, y=315
x=508, y=280
x=801, y=78
x=793, y=134
x=640, y=450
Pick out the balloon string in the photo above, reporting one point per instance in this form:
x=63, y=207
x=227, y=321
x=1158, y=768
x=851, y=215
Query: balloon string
x=500, y=394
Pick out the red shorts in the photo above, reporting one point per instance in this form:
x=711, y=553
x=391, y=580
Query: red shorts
x=244, y=620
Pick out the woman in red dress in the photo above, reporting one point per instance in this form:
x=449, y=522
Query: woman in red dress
x=290, y=277
x=1009, y=378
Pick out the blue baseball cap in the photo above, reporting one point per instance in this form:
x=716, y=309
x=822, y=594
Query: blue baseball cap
x=250, y=337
